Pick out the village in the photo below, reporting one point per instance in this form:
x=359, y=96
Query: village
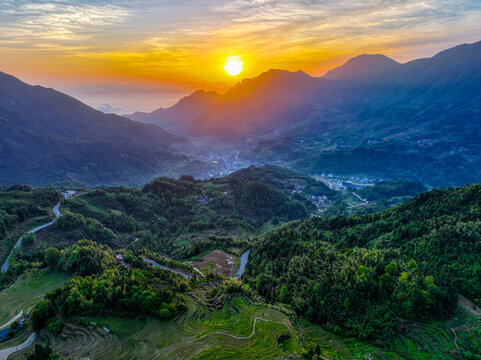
x=338, y=182
x=13, y=327
x=321, y=201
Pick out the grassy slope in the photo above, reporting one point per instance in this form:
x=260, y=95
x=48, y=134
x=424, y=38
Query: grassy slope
x=26, y=292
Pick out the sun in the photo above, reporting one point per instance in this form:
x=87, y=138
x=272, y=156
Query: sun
x=233, y=65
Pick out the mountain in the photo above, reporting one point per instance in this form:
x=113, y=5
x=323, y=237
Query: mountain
x=418, y=120
x=361, y=65
x=47, y=136
x=371, y=116
x=177, y=117
x=250, y=106
x=257, y=104
x=387, y=264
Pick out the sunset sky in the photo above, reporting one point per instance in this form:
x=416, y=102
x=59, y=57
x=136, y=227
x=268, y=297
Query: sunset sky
x=148, y=53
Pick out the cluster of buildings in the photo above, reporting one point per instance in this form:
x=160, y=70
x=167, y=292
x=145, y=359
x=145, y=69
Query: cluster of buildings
x=3, y=334
x=341, y=183
x=119, y=260
x=423, y=142
x=16, y=325
x=223, y=164
x=202, y=199
x=320, y=201
x=297, y=188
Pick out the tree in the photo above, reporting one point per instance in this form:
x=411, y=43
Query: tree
x=283, y=294
x=29, y=239
x=43, y=311
x=51, y=256
x=43, y=353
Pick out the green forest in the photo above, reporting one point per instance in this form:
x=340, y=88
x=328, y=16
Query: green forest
x=364, y=275
x=372, y=276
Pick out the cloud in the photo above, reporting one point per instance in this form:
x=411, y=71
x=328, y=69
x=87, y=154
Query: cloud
x=164, y=23
x=187, y=40
x=63, y=22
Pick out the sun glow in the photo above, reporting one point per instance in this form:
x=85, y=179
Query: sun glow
x=233, y=65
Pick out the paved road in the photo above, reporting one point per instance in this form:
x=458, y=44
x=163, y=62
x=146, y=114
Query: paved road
x=242, y=265
x=155, y=263
x=12, y=320
x=360, y=198
x=5, y=353
x=56, y=211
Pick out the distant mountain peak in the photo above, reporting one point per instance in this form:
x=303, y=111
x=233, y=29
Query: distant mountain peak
x=278, y=73
x=199, y=94
x=271, y=80
x=361, y=65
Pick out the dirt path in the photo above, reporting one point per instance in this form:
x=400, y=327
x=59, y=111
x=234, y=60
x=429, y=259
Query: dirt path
x=232, y=336
x=246, y=337
x=469, y=306
x=455, y=338
x=132, y=243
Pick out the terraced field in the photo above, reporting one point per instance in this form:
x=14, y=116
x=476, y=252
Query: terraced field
x=240, y=330
x=6, y=244
x=438, y=340
x=335, y=347
x=431, y=341
x=26, y=292
x=198, y=334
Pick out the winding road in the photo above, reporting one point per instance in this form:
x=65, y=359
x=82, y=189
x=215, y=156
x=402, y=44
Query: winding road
x=242, y=265
x=56, y=211
x=155, y=263
x=5, y=353
x=12, y=320
x=360, y=198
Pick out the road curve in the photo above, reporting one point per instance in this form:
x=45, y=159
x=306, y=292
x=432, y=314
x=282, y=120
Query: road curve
x=56, y=211
x=242, y=265
x=155, y=263
x=5, y=353
x=12, y=320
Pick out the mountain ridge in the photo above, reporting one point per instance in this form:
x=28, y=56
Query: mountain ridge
x=361, y=65
x=47, y=135
x=434, y=101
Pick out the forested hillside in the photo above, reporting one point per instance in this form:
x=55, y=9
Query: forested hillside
x=182, y=217
x=47, y=136
x=379, y=277
x=365, y=275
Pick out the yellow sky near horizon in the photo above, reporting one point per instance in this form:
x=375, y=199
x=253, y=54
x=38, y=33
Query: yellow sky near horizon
x=183, y=45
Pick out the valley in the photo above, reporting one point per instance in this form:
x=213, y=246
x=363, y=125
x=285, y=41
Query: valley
x=213, y=314
x=303, y=200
